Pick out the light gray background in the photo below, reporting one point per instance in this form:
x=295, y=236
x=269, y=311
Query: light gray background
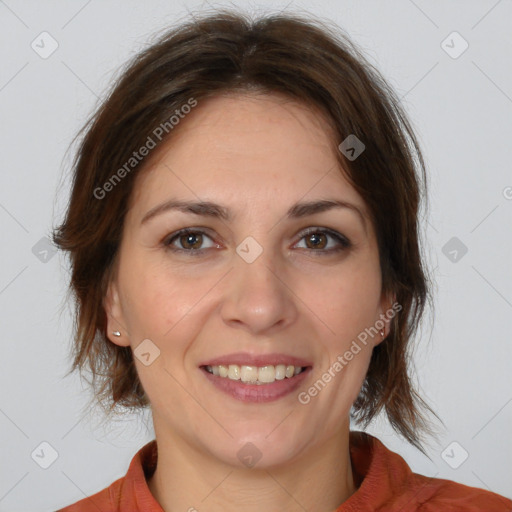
x=462, y=110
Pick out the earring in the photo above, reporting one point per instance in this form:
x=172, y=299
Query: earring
x=116, y=334
x=382, y=333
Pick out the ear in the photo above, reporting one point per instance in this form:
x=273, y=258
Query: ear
x=115, y=319
x=388, y=309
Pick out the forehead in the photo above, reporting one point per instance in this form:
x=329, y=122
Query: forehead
x=248, y=146
x=248, y=126
x=250, y=113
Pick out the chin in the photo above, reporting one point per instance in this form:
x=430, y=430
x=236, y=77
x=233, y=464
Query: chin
x=260, y=447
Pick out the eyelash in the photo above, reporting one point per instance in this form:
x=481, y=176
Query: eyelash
x=343, y=242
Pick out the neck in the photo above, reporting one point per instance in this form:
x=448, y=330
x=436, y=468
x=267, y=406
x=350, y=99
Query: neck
x=188, y=480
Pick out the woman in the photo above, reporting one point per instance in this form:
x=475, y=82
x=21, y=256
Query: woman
x=245, y=257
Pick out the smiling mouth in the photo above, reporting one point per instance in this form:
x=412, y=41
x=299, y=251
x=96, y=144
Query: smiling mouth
x=258, y=375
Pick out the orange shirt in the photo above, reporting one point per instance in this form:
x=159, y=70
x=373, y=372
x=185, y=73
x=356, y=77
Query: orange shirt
x=384, y=483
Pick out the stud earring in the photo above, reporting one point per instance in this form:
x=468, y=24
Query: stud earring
x=116, y=334
x=382, y=333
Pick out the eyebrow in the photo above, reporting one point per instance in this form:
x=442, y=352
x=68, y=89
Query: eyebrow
x=214, y=210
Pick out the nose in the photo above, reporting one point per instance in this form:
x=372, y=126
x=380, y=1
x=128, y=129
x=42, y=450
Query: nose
x=258, y=297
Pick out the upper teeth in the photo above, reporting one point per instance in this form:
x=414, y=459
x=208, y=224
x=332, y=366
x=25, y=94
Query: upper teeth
x=255, y=374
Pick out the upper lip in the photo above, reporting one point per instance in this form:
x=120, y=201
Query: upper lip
x=247, y=359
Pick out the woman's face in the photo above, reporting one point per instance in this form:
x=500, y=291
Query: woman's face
x=267, y=286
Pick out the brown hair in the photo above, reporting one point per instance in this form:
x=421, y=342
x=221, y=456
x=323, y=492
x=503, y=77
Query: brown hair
x=227, y=52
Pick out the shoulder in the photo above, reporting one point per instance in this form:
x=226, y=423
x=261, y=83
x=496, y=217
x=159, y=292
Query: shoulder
x=106, y=499
x=435, y=494
x=130, y=492
x=387, y=483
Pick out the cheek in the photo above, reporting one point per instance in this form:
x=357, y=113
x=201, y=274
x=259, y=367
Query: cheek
x=349, y=301
x=153, y=300
x=163, y=303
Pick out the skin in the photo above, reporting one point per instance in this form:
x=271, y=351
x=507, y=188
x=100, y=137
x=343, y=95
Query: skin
x=257, y=155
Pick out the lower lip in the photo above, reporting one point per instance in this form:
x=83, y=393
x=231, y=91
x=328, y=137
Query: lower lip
x=254, y=392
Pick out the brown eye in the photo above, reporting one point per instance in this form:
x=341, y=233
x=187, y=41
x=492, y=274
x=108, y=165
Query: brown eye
x=187, y=240
x=191, y=240
x=317, y=241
